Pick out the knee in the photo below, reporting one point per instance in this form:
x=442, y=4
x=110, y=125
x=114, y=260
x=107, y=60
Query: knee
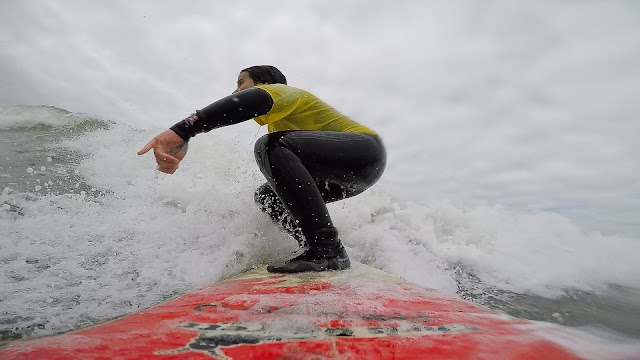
x=260, y=151
x=269, y=142
x=260, y=147
x=265, y=149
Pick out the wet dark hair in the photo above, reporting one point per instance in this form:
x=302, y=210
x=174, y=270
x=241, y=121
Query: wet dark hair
x=266, y=74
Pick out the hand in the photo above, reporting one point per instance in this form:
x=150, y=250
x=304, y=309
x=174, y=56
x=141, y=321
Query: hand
x=169, y=149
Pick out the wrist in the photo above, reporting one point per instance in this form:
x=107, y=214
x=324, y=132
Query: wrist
x=187, y=128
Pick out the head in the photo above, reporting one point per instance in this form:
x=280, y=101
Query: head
x=259, y=74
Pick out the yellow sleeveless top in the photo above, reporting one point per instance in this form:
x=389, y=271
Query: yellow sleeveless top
x=297, y=109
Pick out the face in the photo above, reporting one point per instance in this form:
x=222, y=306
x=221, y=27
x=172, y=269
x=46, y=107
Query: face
x=244, y=82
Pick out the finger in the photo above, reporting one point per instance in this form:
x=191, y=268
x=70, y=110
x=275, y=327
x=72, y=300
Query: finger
x=148, y=147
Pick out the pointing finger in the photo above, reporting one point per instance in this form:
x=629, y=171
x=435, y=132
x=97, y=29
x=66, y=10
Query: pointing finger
x=148, y=147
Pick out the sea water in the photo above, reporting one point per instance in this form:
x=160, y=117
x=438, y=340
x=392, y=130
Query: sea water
x=91, y=231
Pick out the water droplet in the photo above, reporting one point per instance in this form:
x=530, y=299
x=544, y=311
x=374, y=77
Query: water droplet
x=30, y=170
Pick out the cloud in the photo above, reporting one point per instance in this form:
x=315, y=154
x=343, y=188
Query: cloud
x=530, y=105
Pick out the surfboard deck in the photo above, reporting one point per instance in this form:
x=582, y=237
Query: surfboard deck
x=361, y=313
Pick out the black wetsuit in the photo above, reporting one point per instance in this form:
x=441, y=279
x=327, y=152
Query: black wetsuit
x=305, y=169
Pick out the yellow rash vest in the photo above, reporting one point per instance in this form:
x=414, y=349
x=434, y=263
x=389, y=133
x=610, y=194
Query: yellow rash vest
x=297, y=109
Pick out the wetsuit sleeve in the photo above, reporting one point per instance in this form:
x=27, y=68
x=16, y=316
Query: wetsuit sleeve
x=233, y=109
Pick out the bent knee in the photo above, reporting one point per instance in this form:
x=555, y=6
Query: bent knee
x=269, y=142
x=265, y=149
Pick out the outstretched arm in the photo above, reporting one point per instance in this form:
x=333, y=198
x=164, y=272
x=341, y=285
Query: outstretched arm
x=233, y=109
x=170, y=146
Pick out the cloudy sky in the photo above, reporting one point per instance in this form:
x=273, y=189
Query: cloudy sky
x=528, y=105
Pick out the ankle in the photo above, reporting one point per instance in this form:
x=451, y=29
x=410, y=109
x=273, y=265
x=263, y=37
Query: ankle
x=324, y=238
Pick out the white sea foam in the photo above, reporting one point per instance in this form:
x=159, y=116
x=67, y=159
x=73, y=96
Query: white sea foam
x=541, y=253
x=138, y=236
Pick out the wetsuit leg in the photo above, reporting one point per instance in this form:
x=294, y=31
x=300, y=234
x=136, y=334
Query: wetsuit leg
x=270, y=204
x=306, y=169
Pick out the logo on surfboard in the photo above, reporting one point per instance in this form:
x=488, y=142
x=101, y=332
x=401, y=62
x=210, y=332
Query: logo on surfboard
x=213, y=338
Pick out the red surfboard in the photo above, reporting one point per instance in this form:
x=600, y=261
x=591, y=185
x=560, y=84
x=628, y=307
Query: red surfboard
x=361, y=313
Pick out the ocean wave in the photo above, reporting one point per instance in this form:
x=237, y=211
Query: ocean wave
x=118, y=236
x=30, y=116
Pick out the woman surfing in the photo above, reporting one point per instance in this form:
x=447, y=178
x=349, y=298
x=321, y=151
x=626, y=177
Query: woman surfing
x=311, y=156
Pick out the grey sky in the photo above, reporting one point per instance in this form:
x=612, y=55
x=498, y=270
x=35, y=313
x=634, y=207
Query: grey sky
x=530, y=105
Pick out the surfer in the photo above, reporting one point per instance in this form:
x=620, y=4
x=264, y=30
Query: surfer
x=311, y=156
